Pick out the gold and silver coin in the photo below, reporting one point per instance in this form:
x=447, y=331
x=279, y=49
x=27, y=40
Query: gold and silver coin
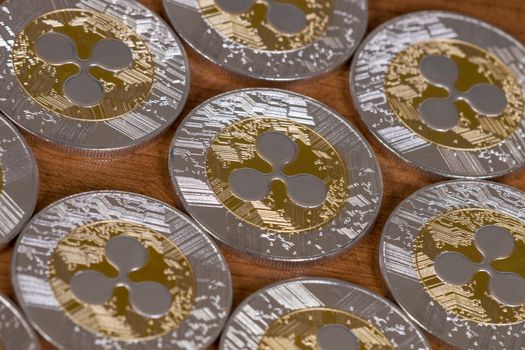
x=276, y=175
x=97, y=77
x=116, y=270
x=453, y=256
x=18, y=182
x=444, y=92
x=319, y=314
x=15, y=332
x=272, y=39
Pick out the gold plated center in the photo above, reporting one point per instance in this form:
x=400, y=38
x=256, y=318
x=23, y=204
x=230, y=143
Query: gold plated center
x=253, y=28
x=298, y=330
x=407, y=89
x=84, y=249
x=46, y=81
x=235, y=148
x=455, y=232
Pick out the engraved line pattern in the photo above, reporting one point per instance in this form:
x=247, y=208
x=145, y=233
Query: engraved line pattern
x=252, y=320
x=371, y=66
x=399, y=237
x=162, y=106
x=188, y=160
x=340, y=36
x=42, y=234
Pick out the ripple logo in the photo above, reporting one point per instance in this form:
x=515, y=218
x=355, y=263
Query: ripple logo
x=285, y=18
x=278, y=150
x=126, y=254
x=83, y=89
x=331, y=336
x=494, y=243
x=441, y=113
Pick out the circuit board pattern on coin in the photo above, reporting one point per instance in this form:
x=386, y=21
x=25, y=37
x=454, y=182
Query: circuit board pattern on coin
x=407, y=90
x=142, y=90
x=203, y=197
x=268, y=39
x=235, y=149
x=438, y=260
x=84, y=249
x=494, y=146
x=78, y=255
x=45, y=79
x=252, y=27
x=291, y=314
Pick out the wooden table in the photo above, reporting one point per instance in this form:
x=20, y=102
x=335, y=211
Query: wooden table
x=146, y=170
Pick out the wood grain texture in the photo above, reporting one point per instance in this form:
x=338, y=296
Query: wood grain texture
x=146, y=170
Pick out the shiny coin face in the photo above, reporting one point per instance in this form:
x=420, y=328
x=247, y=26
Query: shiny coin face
x=93, y=78
x=453, y=257
x=276, y=175
x=18, y=182
x=119, y=270
x=445, y=93
x=312, y=314
x=270, y=39
x=15, y=332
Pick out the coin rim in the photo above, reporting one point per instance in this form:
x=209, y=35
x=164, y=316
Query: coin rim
x=257, y=56
x=373, y=163
x=368, y=122
x=124, y=344
x=332, y=282
x=451, y=318
x=100, y=147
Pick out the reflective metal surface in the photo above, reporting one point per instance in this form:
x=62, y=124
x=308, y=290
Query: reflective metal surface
x=445, y=93
x=18, y=182
x=95, y=77
x=315, y=313
x=15, y=332
x=276, y=175
x=116, y=270
x=452, y=256
x=272, y=40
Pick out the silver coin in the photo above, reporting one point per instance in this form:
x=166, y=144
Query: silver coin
x=18, y=182
x=116, y=270
x=315, y=313
x=96, y=77
x=452, y=255
x=276, y=175
x=445, y=93
x=15, y=332
x=271, y=40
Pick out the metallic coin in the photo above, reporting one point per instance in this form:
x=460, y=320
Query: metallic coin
x=314, y=313
x=269, y=39
x=453, y=255
x=15, y=332
x=96, y=77
x=116, y=270
x=445, y=93
x=276, y=175
x=18, y=182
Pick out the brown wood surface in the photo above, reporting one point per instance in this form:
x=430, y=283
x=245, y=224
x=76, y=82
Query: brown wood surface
x=146, y=170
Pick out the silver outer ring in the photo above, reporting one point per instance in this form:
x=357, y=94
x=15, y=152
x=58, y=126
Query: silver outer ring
x=367, y=76
x=252, y=318
x=397, y=266
x=19, y=194
x=187, y=164
x=343, y=34
x=39, y=238
x=15, y=332
x=164, y=104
